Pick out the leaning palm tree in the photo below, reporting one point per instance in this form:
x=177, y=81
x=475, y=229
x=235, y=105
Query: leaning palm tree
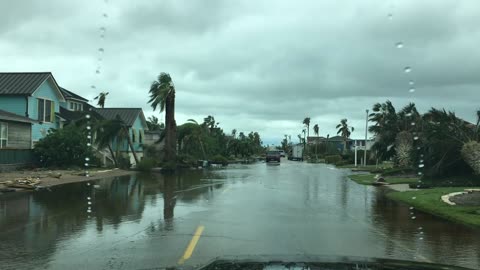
x=315, y=130
x=345, y=131
x=109, y=130
x=101, y=99
x=162, y=93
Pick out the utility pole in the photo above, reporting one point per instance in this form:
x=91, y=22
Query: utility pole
x=365, y=149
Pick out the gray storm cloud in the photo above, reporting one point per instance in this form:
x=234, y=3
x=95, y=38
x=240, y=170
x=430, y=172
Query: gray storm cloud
x=262, y=65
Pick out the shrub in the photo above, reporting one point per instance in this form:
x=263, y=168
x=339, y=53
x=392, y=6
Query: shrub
x=63, y=147
x=333, y=159
x=342, y=163
x=186, y=160
x=123, y=162
x=397, y=171
x=146, y=164
x=219, y=159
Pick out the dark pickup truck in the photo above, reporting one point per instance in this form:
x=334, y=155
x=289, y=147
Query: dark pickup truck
x=273, y=156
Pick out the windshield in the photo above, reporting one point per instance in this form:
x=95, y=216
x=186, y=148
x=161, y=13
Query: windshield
x=145, y=134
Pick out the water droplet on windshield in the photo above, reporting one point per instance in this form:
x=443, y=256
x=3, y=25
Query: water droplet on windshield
x=93, y=87
x=86, y=164
x=88, y=198
x=89, y=137
x=89, y=211
x=89, y=144
x=411, y=90
x=390, y=16
x=87, y=159
x=101, y=50
x=399, y=45
x=414, y=198
x=88, y=127
x=105, y=15
x=97, y=71
x=411, y=82
x=88, y=184
x=87, y=116
x=103, y=29
x=413, y=123
x=411, y=207
x=89, y=203
x=407, y=69
x=421, y=166
x=421, y=238
x=414, y=217
x=415, y=138
x=420, y=173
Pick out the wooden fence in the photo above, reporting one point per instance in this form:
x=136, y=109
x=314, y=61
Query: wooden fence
x=16, y=156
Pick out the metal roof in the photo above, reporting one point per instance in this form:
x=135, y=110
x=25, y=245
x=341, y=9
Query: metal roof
x=8, y=116
x=69, y=95
x=128, y=115
x=21, y=83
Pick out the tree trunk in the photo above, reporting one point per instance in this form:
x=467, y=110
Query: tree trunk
x=203, y=149
x=131, y=147
x=113, y=156
x=171, y=129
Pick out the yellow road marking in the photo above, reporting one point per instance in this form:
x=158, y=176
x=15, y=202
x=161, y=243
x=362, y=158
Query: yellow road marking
x=192, y=244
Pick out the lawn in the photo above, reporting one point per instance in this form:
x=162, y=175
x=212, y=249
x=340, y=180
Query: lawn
x=367, y=168
x=429, y=200
x=368, y=179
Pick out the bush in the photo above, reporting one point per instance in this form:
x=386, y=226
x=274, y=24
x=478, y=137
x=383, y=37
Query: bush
x=146, y=164
x=186, y=160
x=219, y=159
x=342, y=163
x=123, y=162
x=333, y=159
x=63, y=147
x=397, y=171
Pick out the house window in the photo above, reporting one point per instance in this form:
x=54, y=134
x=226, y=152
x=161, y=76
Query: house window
x=140, y=136
x=45, y=110
x=71, y=106
x=133, y=135
x=3, y=134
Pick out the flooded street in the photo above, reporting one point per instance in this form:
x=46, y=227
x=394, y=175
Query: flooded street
x=144, y=221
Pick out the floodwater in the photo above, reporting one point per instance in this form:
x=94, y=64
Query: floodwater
x=148, y=220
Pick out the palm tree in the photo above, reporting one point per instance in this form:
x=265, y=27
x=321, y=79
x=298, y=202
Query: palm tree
x=306, y=122
x=345, y=131
x=154, y=124
x=101, y=99
x=315, y=130
x=162, y=92
x=116, y=129
x=197, y=134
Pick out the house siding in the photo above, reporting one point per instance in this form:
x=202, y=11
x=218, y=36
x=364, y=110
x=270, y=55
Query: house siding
x=123, y=145
x=19, y=135
x=13, y=104
x=46, y=91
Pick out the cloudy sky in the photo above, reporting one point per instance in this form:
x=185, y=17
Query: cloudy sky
x=255, y=65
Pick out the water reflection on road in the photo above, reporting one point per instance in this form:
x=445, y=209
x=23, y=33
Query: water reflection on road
x=147, y=220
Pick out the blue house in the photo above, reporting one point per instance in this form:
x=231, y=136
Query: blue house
x=37, y=99
x=34, y=95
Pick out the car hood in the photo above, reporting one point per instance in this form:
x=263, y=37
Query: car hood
x=306, y=262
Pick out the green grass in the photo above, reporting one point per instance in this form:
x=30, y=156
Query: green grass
x=367, y=168
x=429, y=200
x=368, y=179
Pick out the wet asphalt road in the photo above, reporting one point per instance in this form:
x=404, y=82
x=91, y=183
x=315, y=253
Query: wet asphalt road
x=146, y=221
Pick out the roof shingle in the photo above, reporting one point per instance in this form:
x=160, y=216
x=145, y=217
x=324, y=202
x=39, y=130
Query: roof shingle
x=21, y=83
x=128, y=115
x=68, y=94
x=8, y=116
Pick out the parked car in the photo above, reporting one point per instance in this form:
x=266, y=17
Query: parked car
x=273, y=156
x=282, y=153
